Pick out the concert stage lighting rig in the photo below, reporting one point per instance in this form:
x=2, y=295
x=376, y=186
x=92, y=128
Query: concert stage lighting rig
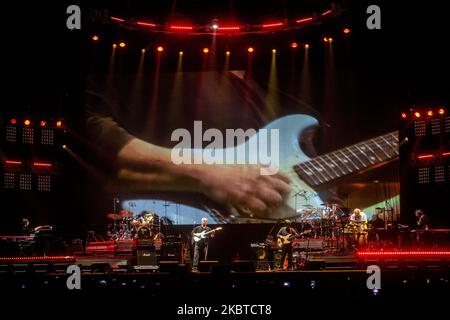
x=425, y=163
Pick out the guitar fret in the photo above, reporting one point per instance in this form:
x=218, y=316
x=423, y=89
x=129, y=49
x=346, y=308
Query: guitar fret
x=319, y=171
x=364, y=154
x=348, y=159
x=343, y=162
x=357, y=158
x=389, y=144
x=378, y=145
x=309, y=173
x=325, y=169
x=376, y=157
x=336, y=165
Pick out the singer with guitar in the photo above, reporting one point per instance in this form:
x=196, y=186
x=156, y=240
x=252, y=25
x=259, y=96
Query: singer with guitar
x=284, y=234
x=200, y=239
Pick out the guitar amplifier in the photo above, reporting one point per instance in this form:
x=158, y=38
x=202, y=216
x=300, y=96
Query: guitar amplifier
x=146, y=253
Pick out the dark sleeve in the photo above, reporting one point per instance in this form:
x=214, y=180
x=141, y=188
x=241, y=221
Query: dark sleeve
x=102, y=127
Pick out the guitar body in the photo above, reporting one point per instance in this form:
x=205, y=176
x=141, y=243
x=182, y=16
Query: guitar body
x=290, y=129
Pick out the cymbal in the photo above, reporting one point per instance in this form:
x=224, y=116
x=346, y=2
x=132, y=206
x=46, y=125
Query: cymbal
x=125, y=213
x=113, y=216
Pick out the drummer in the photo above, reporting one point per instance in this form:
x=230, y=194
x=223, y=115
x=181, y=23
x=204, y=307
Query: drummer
x=359, y=219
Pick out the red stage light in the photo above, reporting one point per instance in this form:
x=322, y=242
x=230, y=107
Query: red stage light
x=404, y=115
x=230, y=28
x=417, y=114
x=441, y=111
x=42, y=164
x=346, y=30
x=181, y=27
x=122, y=44
x=430, y=113
x=446, y=154
x=27, y=122
x=13, y=121
x=95, y=38
x=59, y=123
x=42, y=123
x=160, y=49
x=145, y=24
x=117, y=19
x=205, y=50
x=43, y=258
x=250, y=49
x=13, y=162
x=402, y=253
x=304, y=20
x=271, y=25
x=326, y=12
x=294, y=45
x=425, y=156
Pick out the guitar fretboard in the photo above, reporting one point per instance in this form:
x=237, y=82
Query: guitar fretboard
x=354, y=158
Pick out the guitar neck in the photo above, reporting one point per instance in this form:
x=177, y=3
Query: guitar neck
x=352, y=159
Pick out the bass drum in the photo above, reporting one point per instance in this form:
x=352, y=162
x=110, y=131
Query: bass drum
x=144, y=233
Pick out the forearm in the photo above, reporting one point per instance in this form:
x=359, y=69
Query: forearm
x=150, y=167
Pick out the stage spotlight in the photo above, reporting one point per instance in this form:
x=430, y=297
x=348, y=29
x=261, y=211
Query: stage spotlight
x=227, y=53
x=346, y=30
x=294, y=45
x=160, y=49
x=325, y=39
x=122, y=44
x=306, y=46
x=430, y=113
x=330, y=39
x=215, y=26
x=404, y=115
x=27, y=122
x=441, y=111
x=180, y=53
x=59, y=123
x=205, y=50
x=95, y=38
x=114, y=45
x=250, y=49
x=42, y=123
x=417, y=114
x=13, y=121
x=64, y=146
x=274, y=50
x=143, y=50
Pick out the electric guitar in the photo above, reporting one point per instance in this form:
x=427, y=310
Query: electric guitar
x=282, y=240
x=307, y=175
x=202, y=235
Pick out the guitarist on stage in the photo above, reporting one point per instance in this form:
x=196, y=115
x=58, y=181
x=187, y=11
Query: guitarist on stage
x=286, y=247
x=202, y=245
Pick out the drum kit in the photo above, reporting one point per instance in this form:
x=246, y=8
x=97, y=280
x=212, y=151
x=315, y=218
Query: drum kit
x=324, y=221
x=126, y=226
